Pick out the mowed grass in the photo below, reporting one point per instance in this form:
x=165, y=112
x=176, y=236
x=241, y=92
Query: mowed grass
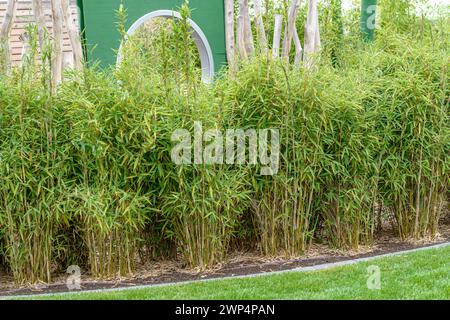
x=418, y=275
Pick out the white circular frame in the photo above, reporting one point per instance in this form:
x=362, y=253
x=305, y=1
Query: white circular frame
x=206, y=56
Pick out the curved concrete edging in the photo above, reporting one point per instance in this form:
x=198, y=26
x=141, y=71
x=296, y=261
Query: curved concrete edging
x=305, y=269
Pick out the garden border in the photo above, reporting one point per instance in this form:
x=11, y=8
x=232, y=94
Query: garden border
x=325, y=266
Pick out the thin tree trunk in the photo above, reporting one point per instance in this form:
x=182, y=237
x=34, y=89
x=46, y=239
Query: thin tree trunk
x=277, y=36
x=74, y=35
x=298, y=49
x=247, y=27
x=57, y=44
x=5, y=31
x=317, y=41
x=38, y=9
x=290, y=28
x=311, y=34
x=240, y=38
x=229, y=33
x=262, y=38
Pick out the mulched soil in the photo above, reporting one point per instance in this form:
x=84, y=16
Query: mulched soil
x=238, y=264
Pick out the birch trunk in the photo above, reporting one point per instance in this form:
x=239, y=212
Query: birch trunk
x=262, y=38
x=5, y=30
x=277, y=36
x=74, y=35
x=290, y=28
x=57, y=61
x=229, y=33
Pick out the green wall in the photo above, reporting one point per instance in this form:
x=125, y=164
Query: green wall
x=368, y=18
x=102, y=38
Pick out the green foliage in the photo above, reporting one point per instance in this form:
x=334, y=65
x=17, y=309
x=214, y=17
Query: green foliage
x=332, y=33
x=86, y=175
x=282, y=205
x=412, y=122
x=398, y=16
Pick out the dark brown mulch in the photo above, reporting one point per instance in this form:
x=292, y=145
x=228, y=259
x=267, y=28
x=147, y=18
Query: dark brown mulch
x=238, y=265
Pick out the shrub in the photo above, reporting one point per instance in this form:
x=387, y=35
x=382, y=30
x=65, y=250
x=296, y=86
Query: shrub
x=86, y=171
x=413, y=107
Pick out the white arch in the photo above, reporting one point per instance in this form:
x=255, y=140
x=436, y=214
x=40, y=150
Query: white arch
x=206, y=56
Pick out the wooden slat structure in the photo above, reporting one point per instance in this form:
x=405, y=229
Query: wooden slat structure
x=24, y=15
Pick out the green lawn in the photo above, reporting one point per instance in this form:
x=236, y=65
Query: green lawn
x=418, y=275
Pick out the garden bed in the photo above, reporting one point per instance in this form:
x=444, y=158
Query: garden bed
x=238, y=264
x=144, y=175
